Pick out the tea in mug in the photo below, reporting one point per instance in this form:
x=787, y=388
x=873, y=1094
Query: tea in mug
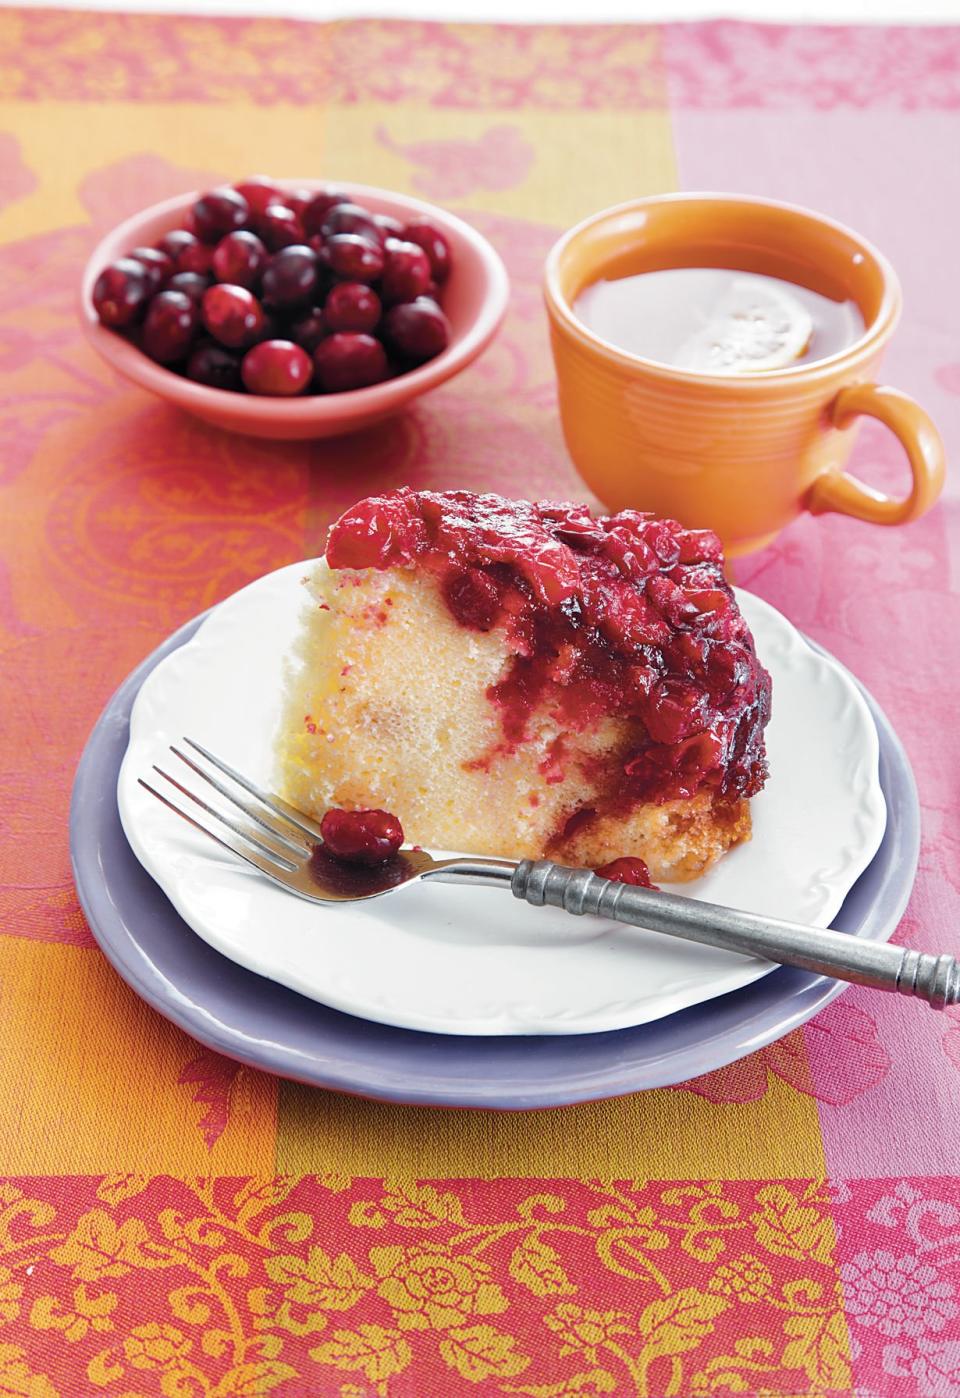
x=716, y=320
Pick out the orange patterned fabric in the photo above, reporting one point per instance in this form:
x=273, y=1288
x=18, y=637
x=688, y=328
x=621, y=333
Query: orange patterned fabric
x=172, y=1223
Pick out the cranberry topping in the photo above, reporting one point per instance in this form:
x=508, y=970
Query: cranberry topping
x=602, y=619
x=333, y=875
x=626, y=870
x=361, y=837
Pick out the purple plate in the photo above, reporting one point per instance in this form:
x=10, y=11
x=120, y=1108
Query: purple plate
x=263, y=1024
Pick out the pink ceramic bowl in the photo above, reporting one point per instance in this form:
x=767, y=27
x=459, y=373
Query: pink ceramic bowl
x=474, y=299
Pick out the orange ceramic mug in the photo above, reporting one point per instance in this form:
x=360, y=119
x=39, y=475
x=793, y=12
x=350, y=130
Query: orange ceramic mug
x=743, y=454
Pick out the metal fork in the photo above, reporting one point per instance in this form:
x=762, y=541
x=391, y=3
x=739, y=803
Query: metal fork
x=286, y=846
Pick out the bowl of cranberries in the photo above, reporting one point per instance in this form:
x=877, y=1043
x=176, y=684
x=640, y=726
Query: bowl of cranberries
x=292, y=310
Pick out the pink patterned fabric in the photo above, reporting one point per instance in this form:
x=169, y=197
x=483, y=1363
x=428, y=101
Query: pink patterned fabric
x=137, y=1256
x=813, y=67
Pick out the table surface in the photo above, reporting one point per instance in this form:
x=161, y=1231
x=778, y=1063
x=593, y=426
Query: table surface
x=171, y=1223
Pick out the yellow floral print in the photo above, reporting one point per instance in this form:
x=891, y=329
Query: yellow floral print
x=231, y=1289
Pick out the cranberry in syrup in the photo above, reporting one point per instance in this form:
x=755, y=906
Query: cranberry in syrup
x=626, y=870
x=361, y=837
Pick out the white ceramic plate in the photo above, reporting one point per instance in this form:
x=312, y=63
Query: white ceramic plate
x=474, y=961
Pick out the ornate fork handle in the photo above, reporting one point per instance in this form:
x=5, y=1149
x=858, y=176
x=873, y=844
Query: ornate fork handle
x=935, y=979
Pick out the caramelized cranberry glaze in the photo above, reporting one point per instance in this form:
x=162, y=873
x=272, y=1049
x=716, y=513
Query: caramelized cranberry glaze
x=627, y=617
x=626, y=870
x=361, y=837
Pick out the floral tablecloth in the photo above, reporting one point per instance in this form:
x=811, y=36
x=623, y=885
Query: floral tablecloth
x=172, y=1223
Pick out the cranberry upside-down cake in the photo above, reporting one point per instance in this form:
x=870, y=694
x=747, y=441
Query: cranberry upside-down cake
x=528, y=680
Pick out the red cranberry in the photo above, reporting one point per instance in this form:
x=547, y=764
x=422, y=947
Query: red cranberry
x=361, y=837
x=174, y=242
x=427, y=236
x=218, y=213
x=406, y=272
x=390, y=227
x=121, y=291
x=195, y=257
x=271, y=329
x=626, y=870
x=352, y=306
x=277, y=367
x=297, y=200
x=171, y=324
x=351, y=218
x=192, y=284
x=309, y=330
x=159, y=266
x=417, y=329
x=319, y=206
x=290, y=277
x=353, y=257
x=258, y=192
x=238, y=258
x=279, y=227
x=232, y=314
x=474, y=598
x=211, y=364
x=345, y=361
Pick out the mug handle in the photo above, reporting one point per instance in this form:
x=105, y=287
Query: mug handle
x=835, y=490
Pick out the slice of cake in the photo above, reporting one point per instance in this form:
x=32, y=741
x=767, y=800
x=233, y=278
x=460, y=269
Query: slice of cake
x=526, y=680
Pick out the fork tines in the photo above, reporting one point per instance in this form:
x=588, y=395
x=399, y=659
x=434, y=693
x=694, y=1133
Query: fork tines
x=283, y=838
